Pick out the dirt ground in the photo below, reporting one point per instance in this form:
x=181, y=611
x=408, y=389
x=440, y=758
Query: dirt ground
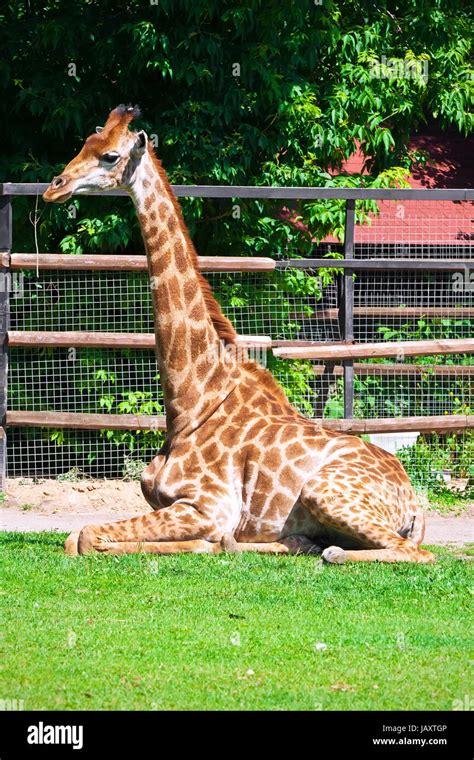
x=51, y=497
x=65, y=506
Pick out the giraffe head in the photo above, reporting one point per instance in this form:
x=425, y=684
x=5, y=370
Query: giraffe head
x=107, y=160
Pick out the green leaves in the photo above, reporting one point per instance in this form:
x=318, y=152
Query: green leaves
x=313, y=80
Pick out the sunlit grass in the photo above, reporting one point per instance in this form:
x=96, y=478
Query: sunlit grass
x=230, y=631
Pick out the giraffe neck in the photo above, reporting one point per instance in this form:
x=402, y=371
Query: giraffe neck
x=196, y=372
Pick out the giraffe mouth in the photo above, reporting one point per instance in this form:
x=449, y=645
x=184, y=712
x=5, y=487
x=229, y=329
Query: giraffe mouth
x=54, y=196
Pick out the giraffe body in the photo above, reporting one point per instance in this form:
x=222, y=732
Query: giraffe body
x=280, y=475
x=241, y=469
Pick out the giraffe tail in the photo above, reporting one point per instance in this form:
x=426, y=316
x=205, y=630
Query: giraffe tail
x=415, y=530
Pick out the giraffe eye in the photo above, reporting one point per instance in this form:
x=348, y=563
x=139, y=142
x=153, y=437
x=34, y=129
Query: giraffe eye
x=110, y=158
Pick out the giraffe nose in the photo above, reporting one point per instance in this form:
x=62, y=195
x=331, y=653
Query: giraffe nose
x=58, y=182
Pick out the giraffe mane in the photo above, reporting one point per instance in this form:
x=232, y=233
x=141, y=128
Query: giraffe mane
x=268, y=383
x=224, y=328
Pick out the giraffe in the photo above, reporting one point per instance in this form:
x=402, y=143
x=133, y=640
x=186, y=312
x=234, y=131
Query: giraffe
x=241, y=469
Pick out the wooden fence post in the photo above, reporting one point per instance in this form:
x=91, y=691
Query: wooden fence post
x=5, y=284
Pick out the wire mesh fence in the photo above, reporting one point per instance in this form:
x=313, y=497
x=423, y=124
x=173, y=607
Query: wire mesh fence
x=383, y=390
x=406, y=305
x=430, y=459
x=83, y=380
x=46, y=453
x=288, y=304
x=264, y=303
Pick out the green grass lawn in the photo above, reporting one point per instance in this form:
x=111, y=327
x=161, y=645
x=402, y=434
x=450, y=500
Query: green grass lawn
x=230, y=631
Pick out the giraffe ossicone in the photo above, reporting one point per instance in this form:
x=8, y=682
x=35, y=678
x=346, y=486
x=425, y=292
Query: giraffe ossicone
x=241, y=469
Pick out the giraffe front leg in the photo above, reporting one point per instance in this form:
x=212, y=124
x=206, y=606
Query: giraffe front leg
x=180, y=524
x=197, y=546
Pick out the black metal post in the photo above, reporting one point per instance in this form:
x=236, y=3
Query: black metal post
x=5, y=249
x=346, y=308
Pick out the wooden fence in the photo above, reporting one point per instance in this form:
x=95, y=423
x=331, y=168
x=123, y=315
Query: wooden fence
x=342, y=353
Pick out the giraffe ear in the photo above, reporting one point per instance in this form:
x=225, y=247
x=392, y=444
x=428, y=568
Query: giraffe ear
x=140, y=144
x=99, y=130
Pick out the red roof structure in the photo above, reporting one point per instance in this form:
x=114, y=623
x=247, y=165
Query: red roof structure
x=445, y=223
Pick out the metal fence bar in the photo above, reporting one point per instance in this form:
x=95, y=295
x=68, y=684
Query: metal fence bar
x=269, y=193
x=346, y=309
x=5, y=284
x=379, y=264
x=129, y=263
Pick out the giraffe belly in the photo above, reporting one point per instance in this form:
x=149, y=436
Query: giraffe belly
x=266, y=520
x=302, y=522
x=267, y=502
x=298, y=522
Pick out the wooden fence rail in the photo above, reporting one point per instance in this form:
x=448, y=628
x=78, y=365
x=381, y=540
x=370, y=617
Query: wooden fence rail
x=291, y=350
x=127, y=263
x=335, y=352
x=399, y=369
x=80, y=421
x=82, y=339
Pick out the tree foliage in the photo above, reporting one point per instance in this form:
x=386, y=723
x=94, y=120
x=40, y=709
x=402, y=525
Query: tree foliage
x=237, y=93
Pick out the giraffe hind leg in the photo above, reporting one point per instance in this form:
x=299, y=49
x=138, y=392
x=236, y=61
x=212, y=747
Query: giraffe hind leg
x=363, y=528
x=405, y=552
x=391, y=547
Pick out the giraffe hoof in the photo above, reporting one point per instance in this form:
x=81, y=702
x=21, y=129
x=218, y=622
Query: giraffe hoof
x=228, y=543
x=71, y=544
x=334, y=555
x=426, y=557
